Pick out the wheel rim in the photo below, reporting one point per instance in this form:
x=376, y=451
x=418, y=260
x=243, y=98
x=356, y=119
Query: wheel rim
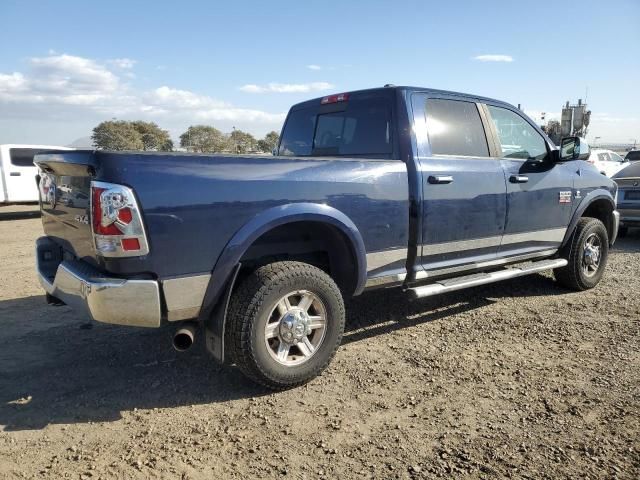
x=295, y=328
x=591, y=255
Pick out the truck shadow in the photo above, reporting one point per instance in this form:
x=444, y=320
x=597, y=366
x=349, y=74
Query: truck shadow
x=57, y=368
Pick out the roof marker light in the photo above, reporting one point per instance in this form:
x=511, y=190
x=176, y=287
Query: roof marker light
x=340, y=97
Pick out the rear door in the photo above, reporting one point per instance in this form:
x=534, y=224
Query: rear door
x=540, y=193
x=464, y=193
x=20, y=175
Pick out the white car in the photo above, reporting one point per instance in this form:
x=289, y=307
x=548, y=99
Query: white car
x=609, y=163
x=18, y=173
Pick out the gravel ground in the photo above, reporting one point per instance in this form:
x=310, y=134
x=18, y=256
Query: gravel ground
x=518, y=379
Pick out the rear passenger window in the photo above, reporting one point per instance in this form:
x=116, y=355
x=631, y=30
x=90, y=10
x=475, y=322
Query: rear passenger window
x=454, y=128
x=518, y=138
x=23, y=157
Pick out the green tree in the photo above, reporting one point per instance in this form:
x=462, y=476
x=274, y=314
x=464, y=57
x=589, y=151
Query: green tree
x=204, y=138
x=116, y=135
x=269, y=142
x=153, y=137
x=242, y=142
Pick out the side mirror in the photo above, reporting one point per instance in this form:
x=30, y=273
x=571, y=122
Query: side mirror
x=274, y=151
x=574, y=148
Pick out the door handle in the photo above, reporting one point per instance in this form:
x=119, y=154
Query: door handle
x=14, y=174
x=440, y=179
x=518, y=179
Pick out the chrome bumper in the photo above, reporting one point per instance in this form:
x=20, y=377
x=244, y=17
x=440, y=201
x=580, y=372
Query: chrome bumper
x=616, y=226
x=105, y=299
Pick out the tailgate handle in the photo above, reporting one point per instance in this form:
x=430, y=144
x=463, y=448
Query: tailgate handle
x=518, y=179
x=15, y=174
x=440, y=179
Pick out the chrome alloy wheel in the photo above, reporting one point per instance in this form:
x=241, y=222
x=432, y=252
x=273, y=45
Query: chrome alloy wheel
x=295, y=328
x=591, y=255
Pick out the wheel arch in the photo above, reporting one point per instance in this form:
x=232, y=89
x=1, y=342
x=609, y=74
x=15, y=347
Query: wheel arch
x=225, y=272
x=597, y=204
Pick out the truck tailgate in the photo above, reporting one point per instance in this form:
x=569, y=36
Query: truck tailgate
x=64, y=189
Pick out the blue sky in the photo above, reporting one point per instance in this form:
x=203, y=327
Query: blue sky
x=67, y=65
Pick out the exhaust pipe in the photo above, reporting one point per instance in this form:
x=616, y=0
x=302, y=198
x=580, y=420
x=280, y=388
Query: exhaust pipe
x=185, y=336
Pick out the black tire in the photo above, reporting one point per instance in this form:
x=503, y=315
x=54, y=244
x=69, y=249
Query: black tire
x=623, y=231
x=573, y=276
x=251, y=308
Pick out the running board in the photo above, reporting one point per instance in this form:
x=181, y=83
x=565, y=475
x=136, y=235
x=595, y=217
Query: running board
x=459, y=283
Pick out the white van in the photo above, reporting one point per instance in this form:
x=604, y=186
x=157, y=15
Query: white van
x=18, y=173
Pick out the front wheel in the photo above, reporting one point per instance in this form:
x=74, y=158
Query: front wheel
x=587, y=254
x=285, y=323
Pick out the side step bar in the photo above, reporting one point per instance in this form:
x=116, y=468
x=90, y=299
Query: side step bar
x=460, y=283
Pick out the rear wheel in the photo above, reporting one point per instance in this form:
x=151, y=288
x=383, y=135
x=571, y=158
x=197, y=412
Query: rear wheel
x=285, y=323
x=587, y=253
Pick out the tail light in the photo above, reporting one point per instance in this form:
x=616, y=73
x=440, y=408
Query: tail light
x=116, y=221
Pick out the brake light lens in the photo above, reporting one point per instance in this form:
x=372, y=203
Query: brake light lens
x=116, y=221
x=340, y=97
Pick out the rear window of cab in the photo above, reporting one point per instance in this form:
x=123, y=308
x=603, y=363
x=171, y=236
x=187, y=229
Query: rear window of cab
x=352, y=128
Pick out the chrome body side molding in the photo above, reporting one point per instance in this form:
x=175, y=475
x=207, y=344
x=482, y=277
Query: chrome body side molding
x=376, y=260
x=550, y=235
x=390, y=280
x=385, y=257
x=184, y=296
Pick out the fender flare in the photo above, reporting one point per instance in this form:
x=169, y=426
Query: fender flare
x=598, y=194
x=216, y=299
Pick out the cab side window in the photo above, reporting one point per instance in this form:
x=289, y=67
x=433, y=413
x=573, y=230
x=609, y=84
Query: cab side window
x=454, y=128
x=518, y=139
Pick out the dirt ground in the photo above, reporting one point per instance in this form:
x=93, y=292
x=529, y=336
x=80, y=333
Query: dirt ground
x=518, y=379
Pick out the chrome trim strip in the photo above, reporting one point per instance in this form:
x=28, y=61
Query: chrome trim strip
x=385, y=257
x=379, y=259
x=549, y=235
x=184, y=296
x=489, y=263
x=458, y=246
x=385, y=280
x=517, y=258
x=108, y=300
x=422, y=274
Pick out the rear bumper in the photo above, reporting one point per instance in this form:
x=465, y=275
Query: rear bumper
x=629, y=215
x=106, y=299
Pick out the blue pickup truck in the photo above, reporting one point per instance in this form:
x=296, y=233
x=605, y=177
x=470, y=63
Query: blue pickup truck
x=427, y=190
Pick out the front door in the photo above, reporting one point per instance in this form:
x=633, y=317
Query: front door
x=539, y=192
x=464, y=194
